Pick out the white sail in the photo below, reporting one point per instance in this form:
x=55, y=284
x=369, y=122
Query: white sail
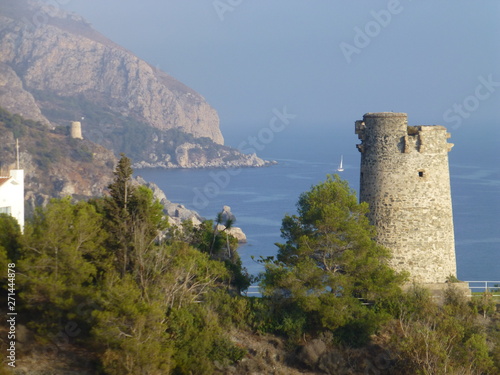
x=341, y=167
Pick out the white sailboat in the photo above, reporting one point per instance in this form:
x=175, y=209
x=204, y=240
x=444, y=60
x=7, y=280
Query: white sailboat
x=341, y=167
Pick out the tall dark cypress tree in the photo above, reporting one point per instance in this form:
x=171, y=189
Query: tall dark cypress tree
x=134, y=216
x=121, y=189
x=117, y=209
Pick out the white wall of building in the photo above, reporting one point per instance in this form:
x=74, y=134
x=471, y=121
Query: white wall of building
x=12, y=196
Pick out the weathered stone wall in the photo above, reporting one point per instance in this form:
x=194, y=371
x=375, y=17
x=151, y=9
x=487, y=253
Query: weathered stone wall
x=405, y=180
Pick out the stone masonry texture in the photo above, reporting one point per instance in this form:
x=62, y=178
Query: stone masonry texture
x=406, y=182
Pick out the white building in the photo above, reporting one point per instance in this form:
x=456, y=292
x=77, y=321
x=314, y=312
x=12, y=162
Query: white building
x=12, y=195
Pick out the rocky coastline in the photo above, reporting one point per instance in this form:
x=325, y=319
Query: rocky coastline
x=178, y=213
x=245, y=161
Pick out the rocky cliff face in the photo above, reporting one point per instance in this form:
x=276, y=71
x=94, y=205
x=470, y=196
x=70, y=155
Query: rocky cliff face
x=15, y=98
x=55, y=68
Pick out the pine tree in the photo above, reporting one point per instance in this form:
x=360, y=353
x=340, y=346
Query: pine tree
x=62, y=261
x=330, y=262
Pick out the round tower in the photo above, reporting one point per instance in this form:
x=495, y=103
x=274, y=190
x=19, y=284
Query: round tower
x=76, y=130
x=406, y=182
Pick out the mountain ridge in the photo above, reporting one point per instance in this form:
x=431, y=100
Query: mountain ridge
x=55, y=69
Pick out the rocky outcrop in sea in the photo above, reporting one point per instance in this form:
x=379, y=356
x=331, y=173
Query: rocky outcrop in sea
x=178, y=213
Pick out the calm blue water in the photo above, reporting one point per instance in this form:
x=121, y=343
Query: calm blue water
x=260, y=197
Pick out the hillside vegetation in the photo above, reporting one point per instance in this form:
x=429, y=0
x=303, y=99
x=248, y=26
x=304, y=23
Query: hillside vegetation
x=106, y=287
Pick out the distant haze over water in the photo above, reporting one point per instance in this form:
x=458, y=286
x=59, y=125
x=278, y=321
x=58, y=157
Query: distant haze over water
x=261, y=197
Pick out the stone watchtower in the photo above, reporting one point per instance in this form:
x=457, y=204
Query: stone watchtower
x=405, y=179
x=76, y=130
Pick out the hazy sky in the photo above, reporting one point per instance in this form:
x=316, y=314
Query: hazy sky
x=327, y=61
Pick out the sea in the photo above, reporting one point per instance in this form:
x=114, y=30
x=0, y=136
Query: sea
x=305, y=155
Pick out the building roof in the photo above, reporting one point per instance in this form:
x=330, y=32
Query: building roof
x=4, y=180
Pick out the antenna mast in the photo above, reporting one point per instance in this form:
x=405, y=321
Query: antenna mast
x=17, y=153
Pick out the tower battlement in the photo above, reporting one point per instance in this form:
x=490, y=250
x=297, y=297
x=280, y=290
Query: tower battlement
x=405, y=180
x=378, y=127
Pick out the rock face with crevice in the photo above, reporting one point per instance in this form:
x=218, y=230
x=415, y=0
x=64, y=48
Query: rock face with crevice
x=14, y=98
